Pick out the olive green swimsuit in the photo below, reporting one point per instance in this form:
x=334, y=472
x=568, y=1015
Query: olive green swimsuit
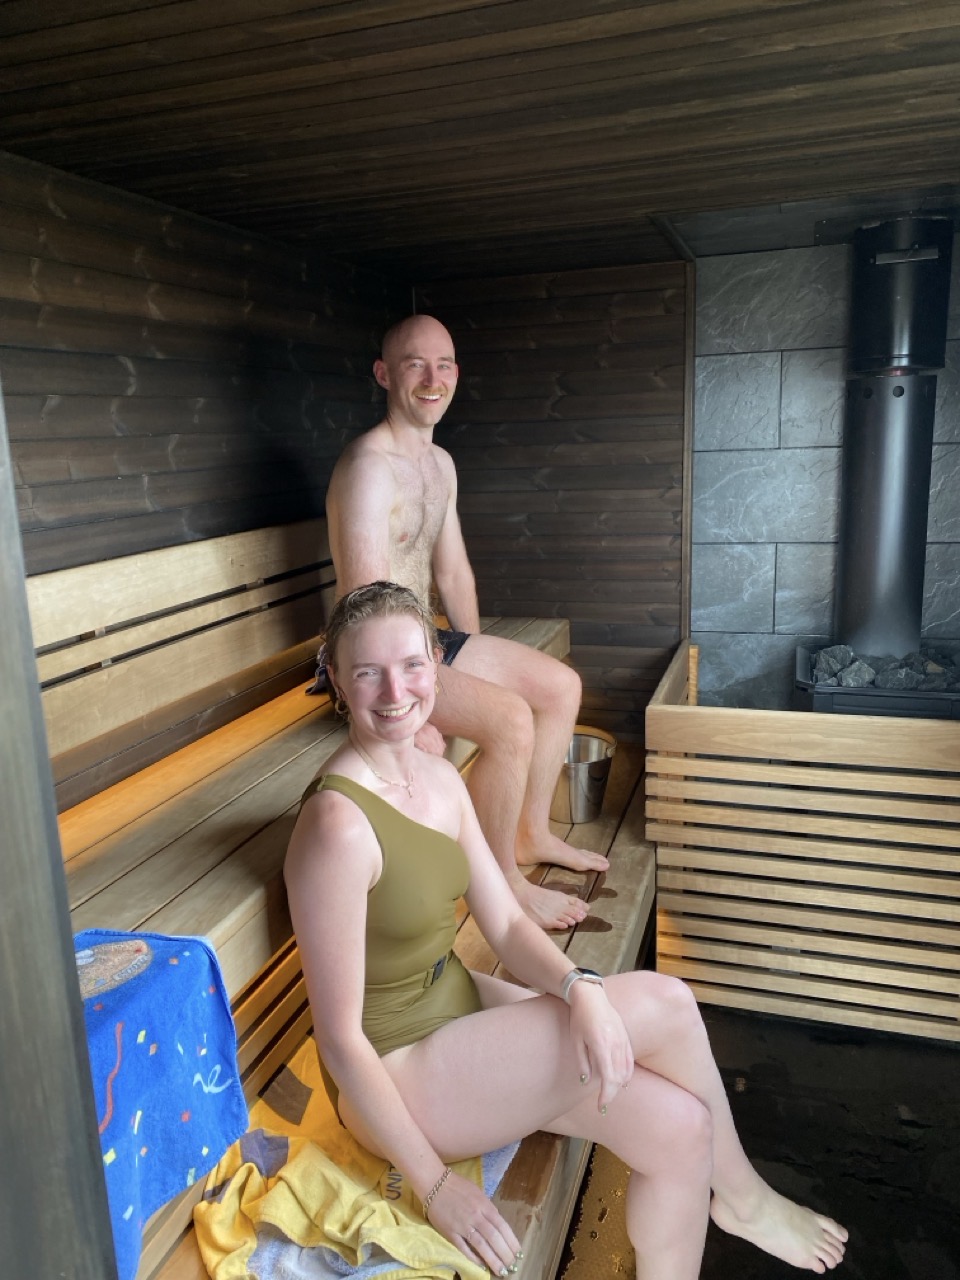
x=413, y=981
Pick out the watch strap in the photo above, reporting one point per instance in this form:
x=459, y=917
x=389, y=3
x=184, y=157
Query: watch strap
x=577, y=975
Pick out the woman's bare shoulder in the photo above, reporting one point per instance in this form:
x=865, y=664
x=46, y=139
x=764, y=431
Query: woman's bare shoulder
x=330, y=825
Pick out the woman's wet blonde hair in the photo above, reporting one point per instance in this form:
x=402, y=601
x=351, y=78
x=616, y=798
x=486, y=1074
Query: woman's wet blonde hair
x=375, y=600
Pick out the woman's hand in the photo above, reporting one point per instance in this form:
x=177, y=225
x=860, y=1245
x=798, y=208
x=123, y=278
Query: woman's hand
x=470, y=1220
x=601, y=1042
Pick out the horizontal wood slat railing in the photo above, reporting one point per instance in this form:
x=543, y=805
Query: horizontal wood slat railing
x=807, y=865
x=139, y=655
x=173, y=689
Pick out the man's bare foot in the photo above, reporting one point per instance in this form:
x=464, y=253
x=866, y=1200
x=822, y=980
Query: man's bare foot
x=549, y=908
x=552, y=849
x=786, y=1230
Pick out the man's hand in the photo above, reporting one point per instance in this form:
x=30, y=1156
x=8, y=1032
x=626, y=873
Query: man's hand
x=430, y=739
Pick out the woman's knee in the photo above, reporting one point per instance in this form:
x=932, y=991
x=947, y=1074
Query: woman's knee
x=673, y=1134
x=658, y=1001
x=677, y=1000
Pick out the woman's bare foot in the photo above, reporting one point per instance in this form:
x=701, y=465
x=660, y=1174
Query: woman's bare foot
x=786, y=1230
x=549, y=908
x=552, y=849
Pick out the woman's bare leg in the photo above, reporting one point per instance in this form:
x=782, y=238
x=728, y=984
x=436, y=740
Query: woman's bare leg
x=513, y=1093
x=675, y=1045
x=662, y=1132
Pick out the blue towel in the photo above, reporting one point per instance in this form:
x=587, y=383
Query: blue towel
x=163, y=1053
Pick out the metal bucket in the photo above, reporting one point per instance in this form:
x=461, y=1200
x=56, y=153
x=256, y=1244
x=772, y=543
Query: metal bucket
x=583, y=776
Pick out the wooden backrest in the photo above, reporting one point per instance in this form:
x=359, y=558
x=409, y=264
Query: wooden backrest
x=129, y=649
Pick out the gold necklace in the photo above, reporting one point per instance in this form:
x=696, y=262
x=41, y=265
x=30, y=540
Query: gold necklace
x=408, y=786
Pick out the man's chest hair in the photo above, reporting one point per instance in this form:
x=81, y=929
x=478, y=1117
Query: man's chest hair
x=421, y=496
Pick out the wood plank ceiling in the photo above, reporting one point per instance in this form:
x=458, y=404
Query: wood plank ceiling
x=439, y=136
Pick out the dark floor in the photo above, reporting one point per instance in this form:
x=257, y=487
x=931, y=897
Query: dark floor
x=861, y=1125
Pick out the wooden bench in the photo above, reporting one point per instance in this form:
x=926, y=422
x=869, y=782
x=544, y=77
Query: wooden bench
x=181, y=740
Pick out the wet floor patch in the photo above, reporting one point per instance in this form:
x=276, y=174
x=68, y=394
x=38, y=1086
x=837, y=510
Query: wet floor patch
x=863, y=1126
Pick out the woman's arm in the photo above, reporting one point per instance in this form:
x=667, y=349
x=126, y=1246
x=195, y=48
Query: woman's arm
x=332, y=862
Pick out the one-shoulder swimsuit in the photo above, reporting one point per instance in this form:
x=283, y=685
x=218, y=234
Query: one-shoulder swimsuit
x=414, y=983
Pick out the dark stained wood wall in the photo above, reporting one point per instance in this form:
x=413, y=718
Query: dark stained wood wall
x=568, y=435
x=420, y=131
x=167, y=378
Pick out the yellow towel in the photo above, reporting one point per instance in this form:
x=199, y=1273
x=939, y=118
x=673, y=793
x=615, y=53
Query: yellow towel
x=299, y=1171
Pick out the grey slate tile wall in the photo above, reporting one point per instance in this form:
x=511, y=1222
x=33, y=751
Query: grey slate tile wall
x=771, y=335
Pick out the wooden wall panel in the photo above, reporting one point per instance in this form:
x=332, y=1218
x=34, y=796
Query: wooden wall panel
x=568, y=435
x=166, y=378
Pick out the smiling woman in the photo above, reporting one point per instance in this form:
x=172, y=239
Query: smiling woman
x=419, y=1053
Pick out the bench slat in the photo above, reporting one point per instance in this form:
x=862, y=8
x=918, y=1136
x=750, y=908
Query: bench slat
x=171, y=626
x=204, y=823
x=291, y=1004
x=103, y=814
x=70, y=602
x=107, y=697
x=250, y=1004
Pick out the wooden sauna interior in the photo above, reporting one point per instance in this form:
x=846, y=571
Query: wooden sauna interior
x=210, y=211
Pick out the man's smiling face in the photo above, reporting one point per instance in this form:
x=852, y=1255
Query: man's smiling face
x=419, y=372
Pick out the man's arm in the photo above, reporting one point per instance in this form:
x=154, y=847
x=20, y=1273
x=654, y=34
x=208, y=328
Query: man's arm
x=358, y=520
x=456, y=584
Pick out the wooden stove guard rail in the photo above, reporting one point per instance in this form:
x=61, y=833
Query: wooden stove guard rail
x=807, y=865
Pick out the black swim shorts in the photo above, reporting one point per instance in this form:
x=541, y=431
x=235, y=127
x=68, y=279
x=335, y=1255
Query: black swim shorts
x=451, y=642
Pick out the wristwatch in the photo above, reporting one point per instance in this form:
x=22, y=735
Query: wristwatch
x=576, y=975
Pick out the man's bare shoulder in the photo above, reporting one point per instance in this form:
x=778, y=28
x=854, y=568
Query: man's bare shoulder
x=369, y=449
x=364, y=459
x=444, y=461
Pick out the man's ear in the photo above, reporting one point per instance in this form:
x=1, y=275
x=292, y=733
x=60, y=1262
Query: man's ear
x=381, y=374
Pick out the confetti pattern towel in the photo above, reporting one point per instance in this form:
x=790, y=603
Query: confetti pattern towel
x=163, y=1056
x=298, y=1199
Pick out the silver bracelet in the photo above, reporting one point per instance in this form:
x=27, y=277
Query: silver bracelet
x=432, y=1193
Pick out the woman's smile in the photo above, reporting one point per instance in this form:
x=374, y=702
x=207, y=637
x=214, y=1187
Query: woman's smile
x=395, y=713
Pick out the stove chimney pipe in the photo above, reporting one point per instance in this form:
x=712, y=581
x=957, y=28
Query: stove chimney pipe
x=901, y=286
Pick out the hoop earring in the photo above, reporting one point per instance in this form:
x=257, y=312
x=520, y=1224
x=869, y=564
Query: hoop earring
x=340, y=706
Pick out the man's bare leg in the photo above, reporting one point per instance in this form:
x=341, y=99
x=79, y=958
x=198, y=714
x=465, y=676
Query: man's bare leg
x=552, y=692
x=501, y=724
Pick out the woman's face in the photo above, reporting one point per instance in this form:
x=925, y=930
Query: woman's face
x=387, y=676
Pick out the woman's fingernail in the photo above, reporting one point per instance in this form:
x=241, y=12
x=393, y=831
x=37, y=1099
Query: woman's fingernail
x=583, y=1077
x=513, y=1270
x=503, y=1273
x=519, y=1255
x=603, y=1109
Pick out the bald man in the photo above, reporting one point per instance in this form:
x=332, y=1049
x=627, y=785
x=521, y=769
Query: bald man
x=392, y=513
